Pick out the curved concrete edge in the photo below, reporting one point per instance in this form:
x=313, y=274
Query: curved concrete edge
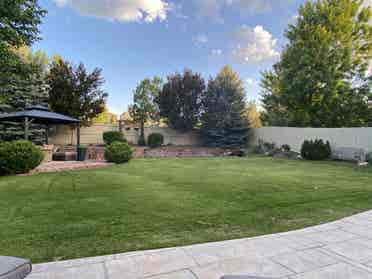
x=341, y=249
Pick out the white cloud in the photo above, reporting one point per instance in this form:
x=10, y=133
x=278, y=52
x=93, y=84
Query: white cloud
x=254, y=45
x=200, y=39
x=213, y=8
x=121, y=10
x=216, y=52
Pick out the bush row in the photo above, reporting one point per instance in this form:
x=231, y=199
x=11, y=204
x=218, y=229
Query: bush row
x=310, y=150
x=154, y=140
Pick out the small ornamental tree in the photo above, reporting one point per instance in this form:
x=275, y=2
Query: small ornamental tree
x=144, y=107
x=225, y=122
x=180, y=101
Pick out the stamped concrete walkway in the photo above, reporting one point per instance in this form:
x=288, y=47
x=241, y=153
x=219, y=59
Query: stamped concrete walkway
x=337, y=250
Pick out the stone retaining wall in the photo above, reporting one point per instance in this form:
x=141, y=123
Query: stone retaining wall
x=182, y=152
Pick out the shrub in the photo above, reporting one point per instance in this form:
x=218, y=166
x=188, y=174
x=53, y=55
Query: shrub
x=315, y=150
x=141, y=141
x=155, y=140
x=285, y=148
x=118, y=152
x=112, y=136
x=369, y=158
x=19, y=157
x=265, y=147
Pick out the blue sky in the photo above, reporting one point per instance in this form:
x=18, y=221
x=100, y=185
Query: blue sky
x=134, y=39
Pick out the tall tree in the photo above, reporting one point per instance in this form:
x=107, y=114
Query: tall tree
x=19, y=21
x=144, y=107
x=320, y=80
x=20, y=92
x=75, y=92
x=180, y=100
x=224, y=121
x=254, y=115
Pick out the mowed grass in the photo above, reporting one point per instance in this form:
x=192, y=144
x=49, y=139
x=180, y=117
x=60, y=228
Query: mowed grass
x=153, y=203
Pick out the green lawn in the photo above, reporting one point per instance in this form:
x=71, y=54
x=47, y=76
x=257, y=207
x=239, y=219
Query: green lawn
x=159, y=203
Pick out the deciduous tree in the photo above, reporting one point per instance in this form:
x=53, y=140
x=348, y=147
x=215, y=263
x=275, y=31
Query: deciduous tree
x=76, y=92
x=180, y=100
x=320, y=80
x=19, y=22
x=253, y=114
x=144, y=107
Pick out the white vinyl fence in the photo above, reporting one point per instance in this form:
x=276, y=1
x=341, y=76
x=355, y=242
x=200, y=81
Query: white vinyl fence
x=360, y=138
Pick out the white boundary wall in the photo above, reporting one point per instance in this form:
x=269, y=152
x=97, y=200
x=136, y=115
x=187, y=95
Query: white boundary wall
x=338, y=137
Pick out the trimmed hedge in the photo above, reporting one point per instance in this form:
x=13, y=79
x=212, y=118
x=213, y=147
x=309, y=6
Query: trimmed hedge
x=118, y=152
x=112, y=136
x=155, y=140
x=18, y=157
x=316, y=150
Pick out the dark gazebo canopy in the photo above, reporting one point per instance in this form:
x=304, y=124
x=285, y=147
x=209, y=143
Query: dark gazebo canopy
x=40, y=115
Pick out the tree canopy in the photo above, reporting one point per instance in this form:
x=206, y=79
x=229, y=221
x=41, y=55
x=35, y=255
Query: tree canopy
x=144, y=107
x=76, y=92
x=224, y=121
x=180, y=101
x=19, y=21
x=17, y=93
x=320, y=80
x=105, y=117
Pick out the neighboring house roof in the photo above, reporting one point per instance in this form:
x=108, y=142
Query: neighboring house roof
x=40, y=115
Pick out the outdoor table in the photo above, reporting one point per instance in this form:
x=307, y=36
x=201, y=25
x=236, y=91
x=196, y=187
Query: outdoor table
x=14, y=268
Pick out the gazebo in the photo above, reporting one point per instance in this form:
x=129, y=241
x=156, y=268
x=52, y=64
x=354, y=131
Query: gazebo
x=41, y=115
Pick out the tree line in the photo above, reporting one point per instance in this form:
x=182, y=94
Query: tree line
x=217, y=110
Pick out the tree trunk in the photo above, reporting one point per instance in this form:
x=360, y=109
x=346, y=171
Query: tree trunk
x=142, y=129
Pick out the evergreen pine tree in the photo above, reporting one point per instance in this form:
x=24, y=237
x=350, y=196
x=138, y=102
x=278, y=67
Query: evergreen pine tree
x=224, y=121
x=20, y=92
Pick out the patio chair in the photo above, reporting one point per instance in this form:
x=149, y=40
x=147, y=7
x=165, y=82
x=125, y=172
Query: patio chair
x=14, y=268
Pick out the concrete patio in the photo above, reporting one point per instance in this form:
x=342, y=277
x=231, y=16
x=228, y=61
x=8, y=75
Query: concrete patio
x=337, y=250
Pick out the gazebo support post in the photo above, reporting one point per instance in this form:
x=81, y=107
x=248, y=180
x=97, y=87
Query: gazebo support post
x=47, y=134
x=26, y=128
x=78, y=138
